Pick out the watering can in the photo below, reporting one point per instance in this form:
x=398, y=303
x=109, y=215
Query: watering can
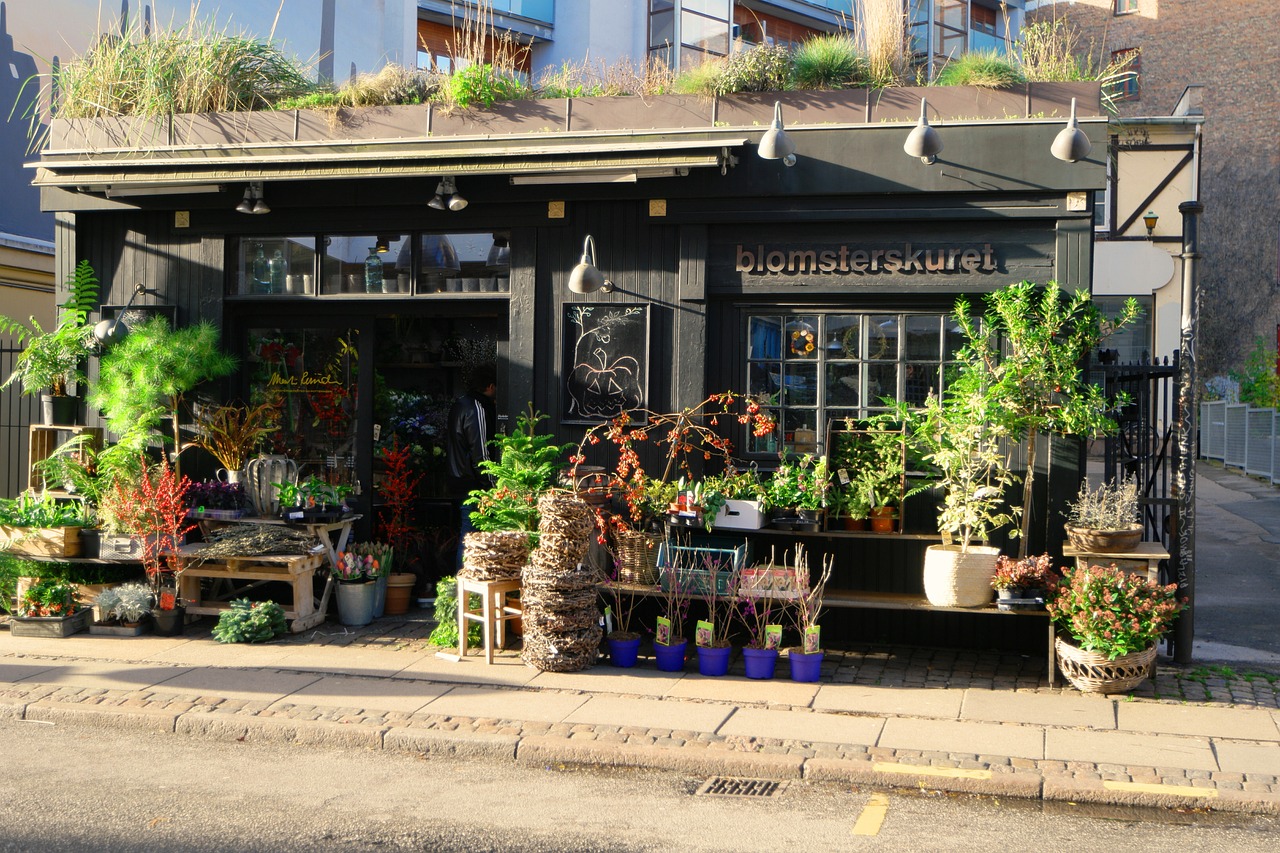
x=261, y=475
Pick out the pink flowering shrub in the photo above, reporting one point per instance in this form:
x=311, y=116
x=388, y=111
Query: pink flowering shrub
x=1111, y=612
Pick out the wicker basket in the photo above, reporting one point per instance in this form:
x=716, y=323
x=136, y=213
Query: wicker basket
x=1094, y=541
x=1090, y=672
x=637, y=557
x=955, y=579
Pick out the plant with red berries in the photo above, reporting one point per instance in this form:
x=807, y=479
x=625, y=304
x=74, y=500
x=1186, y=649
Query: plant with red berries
x=399, y=489
x=154, y=507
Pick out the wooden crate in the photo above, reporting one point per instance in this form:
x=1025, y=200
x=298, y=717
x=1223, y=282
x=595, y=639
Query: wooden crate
x=247, y=572
x=44, y=440
x=40, y=541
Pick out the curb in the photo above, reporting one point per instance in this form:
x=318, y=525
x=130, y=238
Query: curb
x=541, y=749
x=888, y=774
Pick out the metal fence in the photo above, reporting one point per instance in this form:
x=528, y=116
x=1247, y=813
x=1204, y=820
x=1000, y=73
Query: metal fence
x=17, y=411
x=1242, y=437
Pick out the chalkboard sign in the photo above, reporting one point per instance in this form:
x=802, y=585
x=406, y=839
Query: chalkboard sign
x=606, y=361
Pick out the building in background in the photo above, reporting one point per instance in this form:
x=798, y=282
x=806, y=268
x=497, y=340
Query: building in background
x=1230, y=50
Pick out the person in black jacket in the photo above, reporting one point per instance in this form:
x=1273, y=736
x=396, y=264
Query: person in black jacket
x=473, y=422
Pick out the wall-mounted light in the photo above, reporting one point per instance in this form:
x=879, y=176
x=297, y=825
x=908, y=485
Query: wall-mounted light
x=108, y=332
x=447, y=197
x=775, y=144
x=1150, y=219
x=253, y=202
x=1071, y=144
x=923, y=141
x=499, y=252
x=585, y=277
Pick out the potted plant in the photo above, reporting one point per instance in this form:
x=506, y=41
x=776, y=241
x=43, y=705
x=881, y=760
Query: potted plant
x=1109, y=622
x=669, y=642
x=852, y=505
x=357, y=588
x=805, y=661
x=146, y=376
x=121, y=610
x=312, y=501
x=231, y=434
x=734, y=500
x=250, y=622
x=958, y=438
x=1024, y=583
x=758, y=606
x=217, y=500
x=42, y=526
x=381, y=554
x=869, y=454
x=712, y=634
x=1105, y=520
x=797, y=492
x=48, y=608
x=155, y=509
x=398, y=526
x=624, y=644
x=52, y=360
x=1027, y=353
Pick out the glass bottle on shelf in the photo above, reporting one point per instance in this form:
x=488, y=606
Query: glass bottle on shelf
x=373, y=272
x=261, y=272
x=277, y=273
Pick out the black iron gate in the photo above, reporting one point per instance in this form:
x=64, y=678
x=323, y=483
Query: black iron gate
x=17, y=411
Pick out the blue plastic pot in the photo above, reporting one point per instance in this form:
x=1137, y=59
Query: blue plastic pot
x=670, y=658
x=805, y=667
x=623, y=652
x=760, y=663
x=713, y=661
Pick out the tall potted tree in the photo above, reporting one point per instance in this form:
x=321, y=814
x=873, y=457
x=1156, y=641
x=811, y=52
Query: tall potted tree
x=1027, y=354
x=52, y=360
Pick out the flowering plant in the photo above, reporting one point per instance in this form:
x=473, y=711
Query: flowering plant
x=379, y=552
x=354, y=567
x=680, y=435
x=757, y=610
x=48, y=597
x=419, y=422
x=677, y=592
x=809, y=602
x=1111, y=612
x=801, y=484
x=155, y=508
x=1025, y=573
x=212, y=494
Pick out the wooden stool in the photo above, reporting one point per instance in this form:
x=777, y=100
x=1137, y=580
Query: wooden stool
x=494, y=611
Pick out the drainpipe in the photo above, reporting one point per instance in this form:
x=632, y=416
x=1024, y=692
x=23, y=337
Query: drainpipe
x=1185, y=481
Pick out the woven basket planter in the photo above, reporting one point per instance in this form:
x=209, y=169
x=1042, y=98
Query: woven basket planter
x=1090, y=672
x=637, y=557
x=1094, y=541
x=955, y=579
x=494, y=555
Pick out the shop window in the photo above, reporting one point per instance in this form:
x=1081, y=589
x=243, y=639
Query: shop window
x=308, y=376
x=809, y=369
x=273, y=266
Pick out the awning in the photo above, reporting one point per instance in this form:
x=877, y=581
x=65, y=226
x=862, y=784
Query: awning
x=179, y=167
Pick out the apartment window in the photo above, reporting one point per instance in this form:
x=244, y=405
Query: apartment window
x=684, y=33
x=1124, y=7
x=1127, y=88
x=810, y=368
x=951, y=28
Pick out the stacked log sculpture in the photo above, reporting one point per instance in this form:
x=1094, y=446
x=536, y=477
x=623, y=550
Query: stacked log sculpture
x=561, y=612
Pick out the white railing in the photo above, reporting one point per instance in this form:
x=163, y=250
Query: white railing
x=1242, y=437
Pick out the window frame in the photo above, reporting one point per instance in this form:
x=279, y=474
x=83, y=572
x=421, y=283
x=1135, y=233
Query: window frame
x=1124, y=7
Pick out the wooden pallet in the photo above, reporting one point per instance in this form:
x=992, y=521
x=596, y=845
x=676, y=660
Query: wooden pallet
x=245, y=573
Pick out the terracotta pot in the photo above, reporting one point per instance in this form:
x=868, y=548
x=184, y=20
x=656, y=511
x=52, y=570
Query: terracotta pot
x=884, y=519
x=399, y=592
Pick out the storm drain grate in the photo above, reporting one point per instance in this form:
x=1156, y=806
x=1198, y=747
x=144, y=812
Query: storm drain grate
x=728, y=786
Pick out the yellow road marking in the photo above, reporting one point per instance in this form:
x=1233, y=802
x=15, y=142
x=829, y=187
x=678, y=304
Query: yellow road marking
x=872, y=815
x=1150, y=788
x=919, y=770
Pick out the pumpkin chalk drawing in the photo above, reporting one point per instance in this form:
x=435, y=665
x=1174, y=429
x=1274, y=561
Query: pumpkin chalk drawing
x=605, y=349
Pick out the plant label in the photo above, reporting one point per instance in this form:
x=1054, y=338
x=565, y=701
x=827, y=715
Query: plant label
x=811, y=640
x=705, y=632
x=773, y=636
x=663, y=634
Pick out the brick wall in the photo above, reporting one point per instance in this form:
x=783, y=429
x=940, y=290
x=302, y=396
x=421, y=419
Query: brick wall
x=1233, y=49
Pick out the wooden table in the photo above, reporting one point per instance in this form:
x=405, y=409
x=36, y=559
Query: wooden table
x=1145, y=558
x=244, y=573
x=324, y=531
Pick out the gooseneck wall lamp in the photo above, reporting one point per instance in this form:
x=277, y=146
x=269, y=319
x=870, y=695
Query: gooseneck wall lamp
x=447, y=196
x=923, y=142
x=775, y=144
x=586, y=277
x=108, y=332
x=1071, y=144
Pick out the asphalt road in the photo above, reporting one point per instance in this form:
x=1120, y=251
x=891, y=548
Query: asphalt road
x=72, y=789
x=1237, y=568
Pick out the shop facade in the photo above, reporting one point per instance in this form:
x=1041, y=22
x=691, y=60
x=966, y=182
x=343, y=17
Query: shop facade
x=820, y=288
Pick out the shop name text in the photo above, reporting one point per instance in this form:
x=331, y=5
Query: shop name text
x=844, y=260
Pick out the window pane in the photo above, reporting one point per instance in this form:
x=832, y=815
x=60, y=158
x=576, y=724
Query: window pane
x=800, y=430
x=882, y=337
x=842, y=336
x=765, y=380
x=842, y=384
x=921, y=378
x=764, y=337
x=951, y=13
x=801, y=384
x=922, y=337
x=955, y=338
x=662, y=29
x=802, y=338
x=882, y=381
x=661, y=5
x=713, y=8
x=276, y=265
x=704, y=33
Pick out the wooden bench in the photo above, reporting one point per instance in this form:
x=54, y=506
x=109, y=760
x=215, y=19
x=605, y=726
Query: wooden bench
x=245, y=573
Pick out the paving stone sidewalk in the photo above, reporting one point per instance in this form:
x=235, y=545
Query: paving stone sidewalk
x=429, y=711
